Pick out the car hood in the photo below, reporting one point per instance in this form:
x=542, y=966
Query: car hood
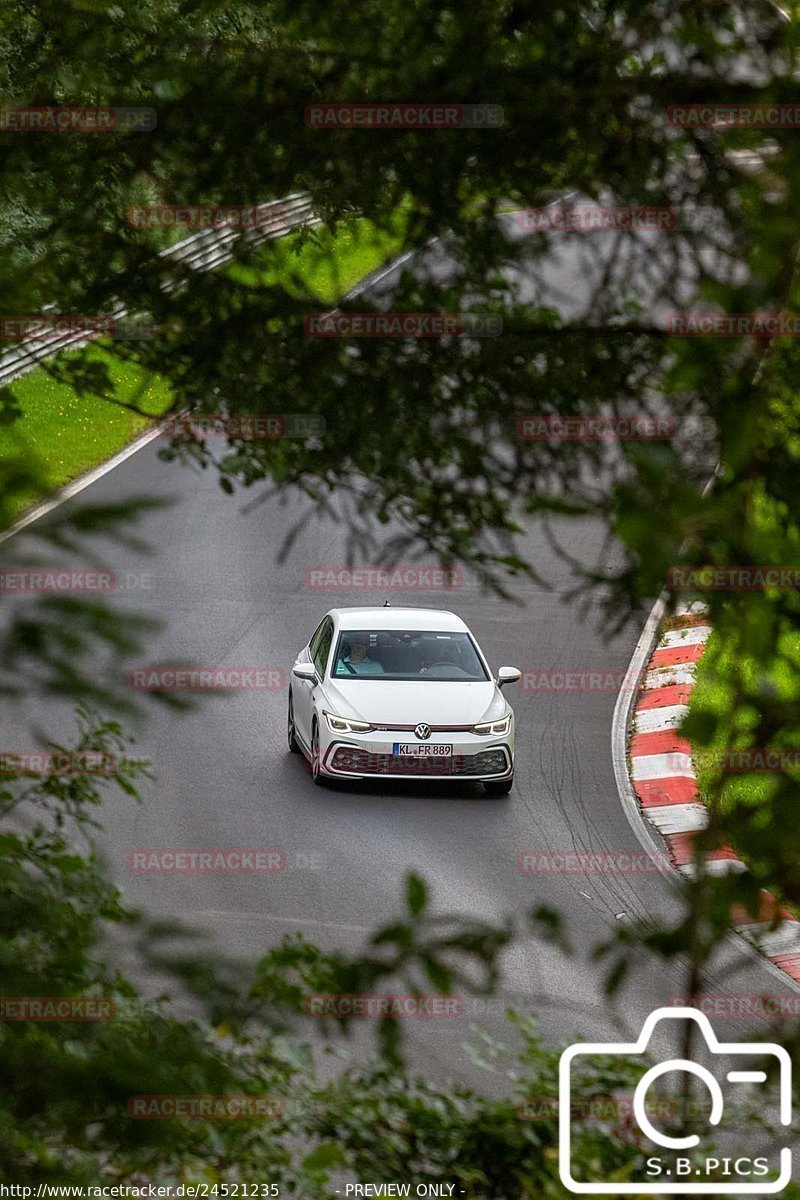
x=406, y=702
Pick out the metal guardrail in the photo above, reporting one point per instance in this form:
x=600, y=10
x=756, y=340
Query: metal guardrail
x=202, y=251
x=210, y=248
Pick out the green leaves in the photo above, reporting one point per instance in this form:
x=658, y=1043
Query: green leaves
x=323, y=1158
x=416, y=894
x=549, y=926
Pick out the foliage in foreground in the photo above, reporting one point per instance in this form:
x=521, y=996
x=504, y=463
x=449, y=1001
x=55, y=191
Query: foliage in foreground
x=66, y=1088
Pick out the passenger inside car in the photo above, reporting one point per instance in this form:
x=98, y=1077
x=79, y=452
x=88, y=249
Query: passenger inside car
x=354, y=658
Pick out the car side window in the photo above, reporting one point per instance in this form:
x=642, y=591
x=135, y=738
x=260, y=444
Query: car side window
x=313, y=645
x=320, y=652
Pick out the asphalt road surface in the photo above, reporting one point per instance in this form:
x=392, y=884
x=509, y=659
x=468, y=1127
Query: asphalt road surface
x=224, y=777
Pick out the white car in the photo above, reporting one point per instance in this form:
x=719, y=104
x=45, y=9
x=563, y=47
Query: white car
x=403, y=692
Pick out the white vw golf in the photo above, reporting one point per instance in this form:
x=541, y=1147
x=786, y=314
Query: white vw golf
x=401, y=692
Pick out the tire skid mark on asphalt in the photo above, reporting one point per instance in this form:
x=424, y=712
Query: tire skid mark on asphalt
x=619, y=888
x=617, y=893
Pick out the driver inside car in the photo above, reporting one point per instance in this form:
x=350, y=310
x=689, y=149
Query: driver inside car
x=439, y=654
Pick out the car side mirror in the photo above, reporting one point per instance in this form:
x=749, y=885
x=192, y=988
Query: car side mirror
x=508, y=675
x=304, y=670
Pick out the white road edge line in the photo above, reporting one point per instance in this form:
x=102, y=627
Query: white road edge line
x=623, y=710
x=78, y=484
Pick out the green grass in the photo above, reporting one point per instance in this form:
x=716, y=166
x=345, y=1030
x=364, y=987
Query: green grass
x=325, y=264
x=63, y=434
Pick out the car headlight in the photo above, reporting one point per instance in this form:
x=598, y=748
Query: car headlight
x=345, y=725
x=494, y=727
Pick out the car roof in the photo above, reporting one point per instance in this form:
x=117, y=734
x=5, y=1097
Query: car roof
x=435, y=619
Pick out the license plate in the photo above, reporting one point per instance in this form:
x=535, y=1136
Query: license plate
x=419, y=750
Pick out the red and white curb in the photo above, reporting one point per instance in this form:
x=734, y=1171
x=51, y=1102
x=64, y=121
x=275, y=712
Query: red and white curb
x=663, y=779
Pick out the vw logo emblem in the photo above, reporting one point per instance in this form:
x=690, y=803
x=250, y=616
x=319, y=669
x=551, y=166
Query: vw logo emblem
x=423, y=731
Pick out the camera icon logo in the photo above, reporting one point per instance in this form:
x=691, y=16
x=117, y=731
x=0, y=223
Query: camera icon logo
x=670, y=1169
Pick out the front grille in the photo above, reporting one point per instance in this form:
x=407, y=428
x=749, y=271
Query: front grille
x=434, y=728
x=362, y=762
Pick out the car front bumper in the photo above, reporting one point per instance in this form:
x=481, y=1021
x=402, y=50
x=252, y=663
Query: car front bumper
x=371, y=755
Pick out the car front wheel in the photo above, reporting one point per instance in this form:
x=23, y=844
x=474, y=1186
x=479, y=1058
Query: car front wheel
x=294, y=745
x=316, y=773
x=501, y=788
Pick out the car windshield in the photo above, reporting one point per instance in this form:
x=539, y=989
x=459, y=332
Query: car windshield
x=407, y=654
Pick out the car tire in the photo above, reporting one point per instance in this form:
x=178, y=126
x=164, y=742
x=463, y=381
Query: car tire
x=294, y=745
x=501, y=788
x=316, y=772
